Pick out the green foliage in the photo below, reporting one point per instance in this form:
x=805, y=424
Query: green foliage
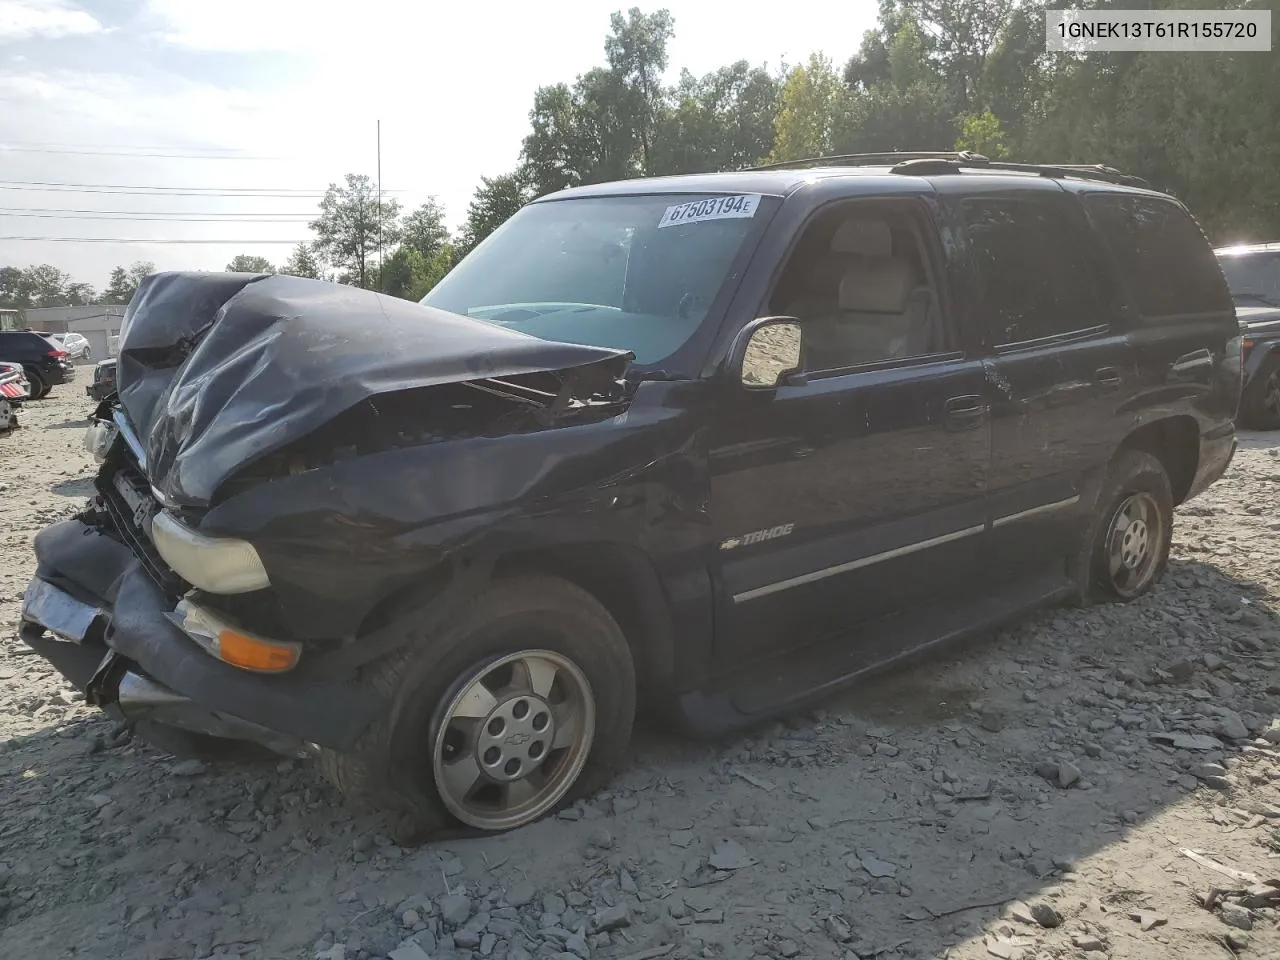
x=42, y=285
x=249, y=263
x=123, y=282
x=351, y=225
x=497, y=199
x=810, y=106
x=410, y=275
x=982, y=133
x=303, y=262
x=424, y=229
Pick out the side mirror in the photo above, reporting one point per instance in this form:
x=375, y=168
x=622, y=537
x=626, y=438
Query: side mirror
x=769, y=352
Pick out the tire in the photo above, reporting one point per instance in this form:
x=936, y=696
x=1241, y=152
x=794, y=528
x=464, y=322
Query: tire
x=199, y=746
x=39, y=387
x=410, y=760
x=8, y=417
x=1260, y=405
x=1131, y=530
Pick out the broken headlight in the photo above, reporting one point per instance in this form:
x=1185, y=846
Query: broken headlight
x=214, y=564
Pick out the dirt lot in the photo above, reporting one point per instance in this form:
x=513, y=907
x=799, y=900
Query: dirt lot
x=1095, y=783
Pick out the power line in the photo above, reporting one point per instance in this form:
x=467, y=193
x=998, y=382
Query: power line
x=244, y=243
x=6, y=148
x=167, y=219
x=194, y=191
x=156, y=213
x=111, y=146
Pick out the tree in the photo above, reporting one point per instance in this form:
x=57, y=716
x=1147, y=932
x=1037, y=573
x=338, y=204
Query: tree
x=250, y=263
x=46, y=285
x=636, y=49
x=495, y=201
x=303, y=262
x=14, y=289
x=722, y=121
x=123, y=283
x=810, y=104
x=351, y=225
x=410, y=275
x=982, y=133
x=424, y=229
x=80, y=294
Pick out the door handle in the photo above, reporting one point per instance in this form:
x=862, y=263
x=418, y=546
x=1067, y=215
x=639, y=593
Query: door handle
x=1107, y=376
x=965, y=411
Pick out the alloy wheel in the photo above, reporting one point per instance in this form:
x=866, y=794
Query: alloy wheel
x=1133, y=544
x=513, y=739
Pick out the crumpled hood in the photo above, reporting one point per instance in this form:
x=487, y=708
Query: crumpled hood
x=219, y=369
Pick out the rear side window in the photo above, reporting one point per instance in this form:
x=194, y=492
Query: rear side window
x=1164, y=259
x=1036, y=277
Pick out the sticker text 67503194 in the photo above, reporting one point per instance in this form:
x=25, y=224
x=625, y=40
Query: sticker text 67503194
x=711, y=208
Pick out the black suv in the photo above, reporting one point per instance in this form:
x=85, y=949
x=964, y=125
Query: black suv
x=719, y=444
x=45, y=363
x=1253, y=276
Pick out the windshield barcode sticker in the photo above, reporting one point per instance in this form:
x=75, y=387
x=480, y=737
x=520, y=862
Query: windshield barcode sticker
x=713, y=208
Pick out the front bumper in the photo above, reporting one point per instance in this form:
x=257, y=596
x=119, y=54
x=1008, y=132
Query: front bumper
x=96, y=616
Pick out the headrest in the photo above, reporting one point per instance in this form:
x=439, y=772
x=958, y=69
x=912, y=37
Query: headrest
x=871, y=238
x=876, y=285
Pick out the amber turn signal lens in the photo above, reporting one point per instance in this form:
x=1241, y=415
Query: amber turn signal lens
x=250, y=653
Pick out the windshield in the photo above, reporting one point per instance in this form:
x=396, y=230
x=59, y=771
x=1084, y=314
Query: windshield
x=1254, y=278
x=635, y=273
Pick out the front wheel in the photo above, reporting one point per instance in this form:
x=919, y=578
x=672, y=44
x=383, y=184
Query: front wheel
x=1133, y=527
x=1260, y=405
x=524, y=703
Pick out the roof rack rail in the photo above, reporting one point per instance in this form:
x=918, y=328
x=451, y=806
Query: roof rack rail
x=928, y=162
x=859, y=159
x=972, y=161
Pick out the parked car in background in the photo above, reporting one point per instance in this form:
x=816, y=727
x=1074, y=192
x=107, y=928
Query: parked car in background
x=76, y=345
x=719, y=444
x=1253, y=274
x=44, y=363
x=14, y=388
x=104, y=380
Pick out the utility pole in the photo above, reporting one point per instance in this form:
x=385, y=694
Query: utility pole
x=381, y=279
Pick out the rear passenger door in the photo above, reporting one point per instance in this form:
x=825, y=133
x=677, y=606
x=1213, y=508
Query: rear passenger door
x=1058, y=369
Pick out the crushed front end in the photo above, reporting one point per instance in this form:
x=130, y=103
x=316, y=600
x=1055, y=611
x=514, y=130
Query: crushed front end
x=275, y=483
x=115, y=618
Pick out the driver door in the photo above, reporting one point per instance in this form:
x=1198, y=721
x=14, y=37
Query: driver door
x=858, y=493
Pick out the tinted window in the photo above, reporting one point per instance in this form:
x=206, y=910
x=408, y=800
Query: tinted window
x=1035, y=275
x=858, y=281
x=1254, y=278
x=1163, y=258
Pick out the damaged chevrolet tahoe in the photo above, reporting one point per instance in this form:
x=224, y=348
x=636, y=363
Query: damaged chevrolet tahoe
x=715, y=444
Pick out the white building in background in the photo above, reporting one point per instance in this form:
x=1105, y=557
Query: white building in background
x=98, y=323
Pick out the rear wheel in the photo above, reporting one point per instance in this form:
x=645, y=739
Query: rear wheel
x=1132, y=528
x=1260, y=405
x=8, y=418
x=524, y=703
x=39, y=386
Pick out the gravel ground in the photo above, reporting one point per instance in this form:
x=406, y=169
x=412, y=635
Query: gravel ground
x=1094, y=783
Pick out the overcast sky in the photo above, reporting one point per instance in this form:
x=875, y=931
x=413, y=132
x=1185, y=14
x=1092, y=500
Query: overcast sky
x=282, y=96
